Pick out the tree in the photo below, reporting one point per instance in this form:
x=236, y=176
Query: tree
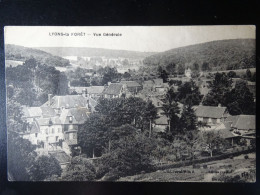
x=180, y=69
x=248, y=74
x=219, y=88
x=20, y=157
x=212, y=141
x=188, y=93
x=44, y=167
x=188, y=120
x=205, y=66
x=129, y=156
x=231, y=74
x=240, y=100
x=171, y=110
x=171, y=68
x=92, y=135
x=79, y=169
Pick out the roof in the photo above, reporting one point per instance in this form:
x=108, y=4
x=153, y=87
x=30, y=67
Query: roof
x=210, y=111
x=71, y=101
x=243, y=122
x=32, y=111
x=61, y=156
x=155, y=101
x=79, y=115
x=224, y=133
x=131, y=83
x=46, y=121
x=95, y=89
x=77, y=89
x=48, y=111
x=162, y=120
x=34, y=128
x=44, y=111
x=113, y=89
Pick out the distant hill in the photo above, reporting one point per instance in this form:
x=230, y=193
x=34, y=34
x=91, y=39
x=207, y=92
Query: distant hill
x=20, y=53
x=91, y=52
x=220, y=55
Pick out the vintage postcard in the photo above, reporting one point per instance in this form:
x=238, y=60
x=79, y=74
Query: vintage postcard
x=131, y=103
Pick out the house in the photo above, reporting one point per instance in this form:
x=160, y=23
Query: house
x=132, y=86
x=57, y=133
x=46, y=133
x=243, y=126
x=158, y=104
x=70, y=101
x=114, y=90
x=160, y=124
x=212, y=115
x=95, y=92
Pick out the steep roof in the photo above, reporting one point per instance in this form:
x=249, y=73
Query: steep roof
x=79, y=115
x=95, y=89
x=243, y=122
x=113, y=89
x=210, y=111
x=71, y=101
x=44, y=111
x=32, y=111
x=131, y=83
x=47, y=121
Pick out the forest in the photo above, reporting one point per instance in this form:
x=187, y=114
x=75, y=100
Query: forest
x=20, y=53
x=216, y=55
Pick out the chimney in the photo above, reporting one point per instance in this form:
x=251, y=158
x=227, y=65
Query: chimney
x=49, y=99
x=219, y=105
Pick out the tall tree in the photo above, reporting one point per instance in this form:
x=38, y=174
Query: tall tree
x=188, y=120
x=171, y=110
x=240, y=100
x=219, y=88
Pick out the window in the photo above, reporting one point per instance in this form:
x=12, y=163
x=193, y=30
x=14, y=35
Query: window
x=36, y=134
x=53, y=131
x=46, y=131
x=74, y=135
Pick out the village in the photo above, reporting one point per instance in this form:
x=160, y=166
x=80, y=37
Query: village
x=93, y=114
x=53, y=126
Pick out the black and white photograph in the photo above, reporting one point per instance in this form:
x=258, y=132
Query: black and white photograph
x=131, y=103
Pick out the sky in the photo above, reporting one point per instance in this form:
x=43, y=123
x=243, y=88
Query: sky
x=134, y=38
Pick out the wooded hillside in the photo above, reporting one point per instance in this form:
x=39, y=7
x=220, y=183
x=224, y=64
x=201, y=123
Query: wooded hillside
x=219, y=55
x=20, y=53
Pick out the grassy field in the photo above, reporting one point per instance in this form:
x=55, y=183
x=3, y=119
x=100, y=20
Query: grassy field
x=206, y=172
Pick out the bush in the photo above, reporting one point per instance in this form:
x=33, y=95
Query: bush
x=246, y=156
x=205, y=166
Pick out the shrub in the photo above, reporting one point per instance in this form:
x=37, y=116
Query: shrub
x=246, y=157
x=205, y=166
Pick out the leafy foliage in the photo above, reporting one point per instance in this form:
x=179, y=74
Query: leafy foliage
x=79, y=169
x=44, y=167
